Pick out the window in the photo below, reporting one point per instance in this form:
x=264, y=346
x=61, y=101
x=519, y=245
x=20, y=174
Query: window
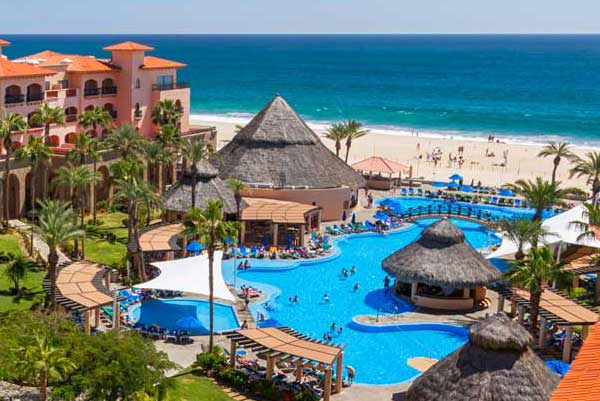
x=164, y=80
x=64, y=83
x=138, y=84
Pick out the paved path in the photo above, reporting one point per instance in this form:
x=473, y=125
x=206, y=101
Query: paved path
x=39, y=245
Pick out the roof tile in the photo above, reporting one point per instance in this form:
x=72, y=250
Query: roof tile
x=128, y=46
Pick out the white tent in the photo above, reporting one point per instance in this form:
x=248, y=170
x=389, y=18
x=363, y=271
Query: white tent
x=190, y=275
x=562, y=232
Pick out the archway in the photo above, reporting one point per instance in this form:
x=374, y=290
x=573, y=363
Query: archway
x=90, y=88
x=71, y=137
x=108, y=87
x=12, y=94
x=35, y=93
x=14, y=198
x=110, y=108
x=71, y=114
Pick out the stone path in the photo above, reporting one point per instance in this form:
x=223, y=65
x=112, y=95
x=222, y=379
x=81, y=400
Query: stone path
x=39, y=245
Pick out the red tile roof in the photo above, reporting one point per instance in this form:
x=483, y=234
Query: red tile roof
x=4, y=42
x=77, y=63
x=156, y=62
x=128, y=46
x=582, y=383
x=9, y=69
x=380, y=165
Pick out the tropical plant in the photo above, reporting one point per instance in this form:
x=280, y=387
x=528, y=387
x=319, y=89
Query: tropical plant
x=211, y=226
x=9, y=123
x=46, y=116
x=42, y=362
x=336, y=133
x=557, y=150
x=541, y=194
x=56, y=226
x=354, y=130
x=127, y=140
x=86, y=148
x=237, y=186
x=16, y=272
x=533, y=273
x=523, y=232
x=194, y=152
x=588, y=167
x=590, y=226
x=166, y=112
x=158, y=156
x=95, y=117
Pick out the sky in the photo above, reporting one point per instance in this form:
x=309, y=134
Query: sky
x=299, y=16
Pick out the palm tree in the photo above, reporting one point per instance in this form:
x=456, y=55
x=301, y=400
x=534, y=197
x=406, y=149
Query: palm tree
x=166, y=112
x=336, y=133
x=9, y=123
x=591, y=226
x=127, y=140
x=77, y=180
x=522, y=232
x=354, y=131
x=46, y=116
x=237, y=186
x=41, y=362
x=16, y=272
x=157, y=156
x=588, y=167
x=210, y=225
x=194, y=152
x=86, y=148
x=95, y=117
x=533, y=273
x=37, y=153
x=540, y=194
x=558, y=150
x=56, y=226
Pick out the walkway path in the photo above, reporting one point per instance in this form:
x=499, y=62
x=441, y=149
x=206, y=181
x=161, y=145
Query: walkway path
x=39, y=245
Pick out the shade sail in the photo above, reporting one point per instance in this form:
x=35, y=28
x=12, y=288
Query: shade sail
x=561, y=228
x=190, y=275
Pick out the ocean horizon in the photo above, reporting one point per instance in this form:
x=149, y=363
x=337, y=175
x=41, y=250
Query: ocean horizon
x=519, y=88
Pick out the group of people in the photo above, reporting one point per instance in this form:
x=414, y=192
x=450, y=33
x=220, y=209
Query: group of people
x=333, y=329
x=245, y=265
x=346, y=272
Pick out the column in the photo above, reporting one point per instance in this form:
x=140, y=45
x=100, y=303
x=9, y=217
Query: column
x=542, y=336
x=466, y=292
x=116, y=320
x=500, y=303
x=567, y=345
x=575, y=281
x=338, y=372
x=302, y=230
x=86, y=321
x=299, y=371
x=275, y=234
x=327, y=385
x=97, y=316
x=413, y=291
x=270, y=365
x=513, y=307
x=107, y=279
x=232, y=352
x=585, y=331
x=521, y=317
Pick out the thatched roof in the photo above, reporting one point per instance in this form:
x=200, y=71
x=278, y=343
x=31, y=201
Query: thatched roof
x=208, y=187
x=278, y=150
x=441, y=257
x=496, y=365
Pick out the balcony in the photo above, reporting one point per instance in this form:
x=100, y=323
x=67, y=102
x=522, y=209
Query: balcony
x=71, y=118
x=91, y=92
x=109, y=90
x=14, y=99
x=35, y=97
x=171, y=86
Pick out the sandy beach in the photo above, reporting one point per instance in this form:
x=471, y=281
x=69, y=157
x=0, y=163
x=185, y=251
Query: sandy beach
x=522, y=160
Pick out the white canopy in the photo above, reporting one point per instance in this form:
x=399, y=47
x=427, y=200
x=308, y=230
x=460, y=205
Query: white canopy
x=562, y=231
x=190, y=275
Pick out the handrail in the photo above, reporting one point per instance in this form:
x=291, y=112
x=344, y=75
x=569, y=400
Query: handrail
x=449, y=210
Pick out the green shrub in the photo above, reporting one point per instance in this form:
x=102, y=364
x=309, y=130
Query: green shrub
x=102, y=206
x=211, y=362
x=305, y=396
x=125, y=222
x=577, y=292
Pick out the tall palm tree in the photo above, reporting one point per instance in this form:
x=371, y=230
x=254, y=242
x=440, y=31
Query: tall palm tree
x=166, y=112
x=557, y=150
x=87, y=148
x=588, y=167
x=9, y=123
x=211, y=226
x=591, y=227
x=533, y=273
x=77, y=179
x=522, y=232
x=336, y=133
x=194, y=152
x=56, y=226
x=157, y=156
x=540, y=194
x=127, y=140
x=37, y=153
x=95, y=117
x=237, y=186
x=46, y=116
x=41, y=362
x=354, y=130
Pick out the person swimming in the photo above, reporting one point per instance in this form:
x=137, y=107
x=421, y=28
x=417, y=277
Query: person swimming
x=340, y=330
x=296, y=299
x=246, y=265
x=344, y=272
x=353, y=270
x=333, y=326
x=326, y=298
x=386, y=283
x=356, y=286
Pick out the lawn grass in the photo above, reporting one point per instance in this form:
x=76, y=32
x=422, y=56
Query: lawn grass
x=100, y=250
x=190, y=387
x=33, y=280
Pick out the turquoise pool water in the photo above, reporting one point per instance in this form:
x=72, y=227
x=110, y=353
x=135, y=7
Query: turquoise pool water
x=379, y=357
x=404, y=203
x=167, y=312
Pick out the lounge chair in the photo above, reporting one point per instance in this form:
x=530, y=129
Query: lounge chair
x=494, y=200
x=403, y=191
x=330, y=230
x=518, y=202
x=243, y=251
x=420, y=191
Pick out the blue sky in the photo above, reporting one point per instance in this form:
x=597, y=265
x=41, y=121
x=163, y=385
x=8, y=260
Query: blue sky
x=299, y=16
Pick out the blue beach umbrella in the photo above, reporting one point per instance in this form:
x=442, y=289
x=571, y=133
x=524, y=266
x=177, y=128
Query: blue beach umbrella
x=266, y=240
x=353, y=218
x=506, y=192
x=344, y=217
x=194, y=246
x=453, y=185
x=439, y=184
x=188, y=323
x=559, y=367
x=466, y=188
x=456, y=177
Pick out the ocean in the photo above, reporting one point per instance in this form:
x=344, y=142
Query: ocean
x=526, y=88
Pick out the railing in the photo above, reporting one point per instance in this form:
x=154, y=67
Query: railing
x=36, y=97
x=170, y=86
x=71, y=92
x=13, y=99
x=113, y=114
x=91, y=92
x=70, y=118
x=109, y=90
x=449, y=210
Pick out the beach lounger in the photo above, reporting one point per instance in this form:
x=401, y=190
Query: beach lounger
x=420, y=192
x=243, y=251
x=330, y=230
x=518, y=202
x=494, y=200
x=411, y=191
x=403, y=191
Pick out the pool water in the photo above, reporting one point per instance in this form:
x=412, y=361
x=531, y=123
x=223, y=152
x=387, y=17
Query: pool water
x=166, y=312
x=378, y=357
x=403, y=204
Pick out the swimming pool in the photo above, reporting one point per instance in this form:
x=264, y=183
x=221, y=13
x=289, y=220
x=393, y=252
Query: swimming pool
x=167, y=312
x=404, y=203
x=379, y=357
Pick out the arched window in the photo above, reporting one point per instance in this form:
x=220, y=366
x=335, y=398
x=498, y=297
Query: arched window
x=90, y=88
x=34, y=93
x=71, y=114
x=13, y=94
x=89, y=108
x=111, y=109
x=71, y=137
x=108, y=87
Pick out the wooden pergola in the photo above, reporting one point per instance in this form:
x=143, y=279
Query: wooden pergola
x=582, y=262
x=161, y=238
x=555, y=307
x=287, y=345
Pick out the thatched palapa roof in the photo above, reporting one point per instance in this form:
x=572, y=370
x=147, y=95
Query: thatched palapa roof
x=208, y=187
x=496, y=365
x=441, y=257
x=278, y=150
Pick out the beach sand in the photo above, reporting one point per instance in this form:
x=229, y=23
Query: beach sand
x=523, y=162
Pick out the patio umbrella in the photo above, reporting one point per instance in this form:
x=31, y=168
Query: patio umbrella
x=506, y=192
x=559, y=367
x=466, y=188
x=453, y=185
x=188, y=323
x=344, y=217
x=194, y=246
x=381, y=216
x=266, y=240
x=456, y=177
x=353, y=218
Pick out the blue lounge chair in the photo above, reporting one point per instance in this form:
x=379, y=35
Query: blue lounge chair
x=403, y=191
x=518, y=202
x=253, y=251
x=420, y=191
x=369, y=225
x=494, y=200
x=411, y=191
x=243, y=251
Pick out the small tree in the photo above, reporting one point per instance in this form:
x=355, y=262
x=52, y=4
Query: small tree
x=354, y=130
x=46, y=116
x=557, y=150
x=541, y=194
x=336, y=133
x=16, y=271
x=588, y=167
x=523, y=232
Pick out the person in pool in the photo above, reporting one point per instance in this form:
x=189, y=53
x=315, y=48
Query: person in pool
x=344, y=272
x=246, y=265
x=356, y=286
x=333, y=326
x=340, y=330
x=326, y=298
x=386, y=284
x=353, y=270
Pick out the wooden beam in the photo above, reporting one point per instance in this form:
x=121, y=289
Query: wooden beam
x=299, y=372
x=232, y=352
x=566, y=357
x=270, y=366
x=338, y=372
x=327, y=385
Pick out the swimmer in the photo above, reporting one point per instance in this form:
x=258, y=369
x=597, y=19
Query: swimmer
x=344, y=272
x=356, y=286
x=353, y=269
x=326, y=298
x=295, y=299
x=333, y=326
x=340, y=329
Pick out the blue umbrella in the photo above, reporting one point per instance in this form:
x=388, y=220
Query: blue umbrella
x=353, y=218
x=452, y=185
x=188, y=323
x=228, y=241
x=439, y=184
x=194, y=246
x=466, y=188
x=557, y=366
x=506, y=192
x=344, y=217
x=381, y=216
x=266, y=240
x=456, y=177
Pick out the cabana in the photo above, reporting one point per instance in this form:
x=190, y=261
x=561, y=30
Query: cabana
x=440, y=270
x=286, y=345
x=190, y=275
x=159, y=242
x=496, y=364
x=381, y=173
